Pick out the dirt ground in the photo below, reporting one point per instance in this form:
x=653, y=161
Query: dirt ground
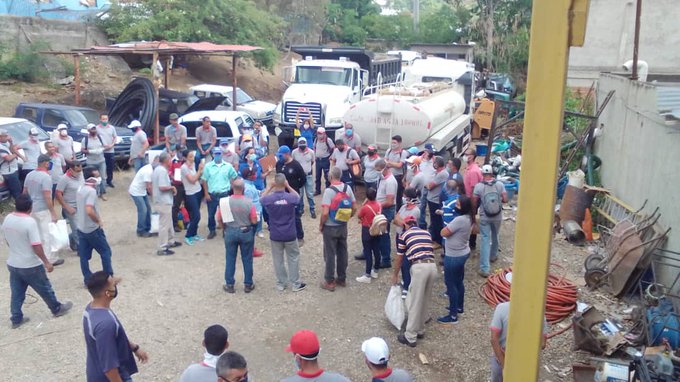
x=165, y=303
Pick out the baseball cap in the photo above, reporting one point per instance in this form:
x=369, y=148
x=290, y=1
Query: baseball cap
x=33, y=131
x=430, y=147
x=91, y=126
x=225, y=141
x=247, y=137
x=376, y=351
x=413, y=150
x=42, y=158
x=321, y=130
x=487, y=169
x=217, y=151
x=370, y=147
x=414, y=159
x=173, y=116
x=134, y=124
x=62, y=126
x=304, y=343
x=283, y=150
x=3, y=132
x=301, y=140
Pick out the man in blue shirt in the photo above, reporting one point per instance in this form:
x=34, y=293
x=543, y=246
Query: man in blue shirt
x=216, y=180
x=109, y=352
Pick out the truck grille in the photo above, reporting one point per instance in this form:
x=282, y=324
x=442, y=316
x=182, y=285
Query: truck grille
x=291, y=108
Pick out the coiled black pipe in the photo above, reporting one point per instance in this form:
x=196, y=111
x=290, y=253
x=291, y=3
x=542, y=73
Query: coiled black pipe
x=137, y=101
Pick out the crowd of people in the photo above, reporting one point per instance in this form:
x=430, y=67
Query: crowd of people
x=401, y=186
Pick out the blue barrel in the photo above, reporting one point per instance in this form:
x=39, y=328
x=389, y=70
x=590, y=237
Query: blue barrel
x=482, y=150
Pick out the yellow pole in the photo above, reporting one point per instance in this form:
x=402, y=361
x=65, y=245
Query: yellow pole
x=555, y=25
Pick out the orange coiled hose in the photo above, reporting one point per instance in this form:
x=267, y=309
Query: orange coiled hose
x=560, y=297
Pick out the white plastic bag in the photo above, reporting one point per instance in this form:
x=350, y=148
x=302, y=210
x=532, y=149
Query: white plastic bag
x=58, y=235
x=155, y=223
x=394, y=307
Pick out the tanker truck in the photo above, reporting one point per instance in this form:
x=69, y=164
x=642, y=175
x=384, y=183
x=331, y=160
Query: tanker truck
x=432, y=112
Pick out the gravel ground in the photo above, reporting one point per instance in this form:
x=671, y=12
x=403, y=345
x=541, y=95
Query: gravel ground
x=165, y=303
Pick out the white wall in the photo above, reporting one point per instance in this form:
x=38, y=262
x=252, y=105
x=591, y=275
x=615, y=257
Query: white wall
x=609, y=39
x=639, y=152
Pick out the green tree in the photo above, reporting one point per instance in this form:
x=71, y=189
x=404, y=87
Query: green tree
x=233, y=21
x=343, y=22
x=444, y=24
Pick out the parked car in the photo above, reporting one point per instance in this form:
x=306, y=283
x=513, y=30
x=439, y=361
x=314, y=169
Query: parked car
x=259, y=110
x=48, y=116
x=18, y=129
x=171, y=101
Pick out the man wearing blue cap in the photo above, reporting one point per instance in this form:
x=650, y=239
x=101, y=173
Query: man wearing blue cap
x=216, y=180
x=297, y=178
x=228, y=155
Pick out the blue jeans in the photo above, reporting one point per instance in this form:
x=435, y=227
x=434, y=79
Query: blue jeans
x=422, y=223
x=385, y=244
x=193, y=205
x=298, y=218
x=454, y=271
x=310, y=194
x=13, y=184
x=371, y=245
x=346, y=178
x=233, y=239
x=436, y=222
x=143, y=213
x=212, y=208
x=199, y=156
x=138, y=163
x=489, y=250
x=20, y=279
x=323, y=165
x=95, y=240
x=110, y=160
x=405, y=269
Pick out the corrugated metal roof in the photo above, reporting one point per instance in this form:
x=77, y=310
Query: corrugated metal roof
x=167, y=47
x=668, y=101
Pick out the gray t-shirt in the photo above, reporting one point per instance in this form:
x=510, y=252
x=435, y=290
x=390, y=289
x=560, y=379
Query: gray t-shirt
x=21, y=233
x=87, y=196
x=434, y=194
x=396, y=375
x=7, y=167
x=458, y=244
x=323, y=150
x=397, y=156
x=160, y=178
x=198, y=372
x=404, y=212
x=479, y=190
x=418, y=181
x=95, y=149
x=58, y=164
x=69, y=186
x=325, y=376
x=205, y=137
x=36, y=182
x=189, y=188
x=305, y=159
x=499, y=322
x=327, y=199
x=174, y=134
x=31, y=152
x=137, y=144
x=387, y=186
x=340, y=158
x=108, y=134
x=370, y=174
x=65, y=147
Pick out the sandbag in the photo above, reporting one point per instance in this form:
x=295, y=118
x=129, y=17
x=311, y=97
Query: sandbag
x=58, y=235
x=155, y=223
x=394, y=307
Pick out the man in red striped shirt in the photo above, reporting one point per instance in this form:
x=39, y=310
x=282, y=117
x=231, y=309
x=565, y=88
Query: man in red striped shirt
x=416, y=244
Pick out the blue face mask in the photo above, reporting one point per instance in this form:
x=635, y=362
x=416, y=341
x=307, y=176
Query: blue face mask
x=217, y=157
x=348, y=132
x=252, y=157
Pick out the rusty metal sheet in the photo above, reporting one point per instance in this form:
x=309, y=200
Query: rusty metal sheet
x=628, y=253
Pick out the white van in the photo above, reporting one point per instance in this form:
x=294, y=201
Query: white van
x=259, y=110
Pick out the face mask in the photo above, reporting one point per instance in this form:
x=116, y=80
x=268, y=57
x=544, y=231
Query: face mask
x=252, y=157
x=104, y=123
x=371, y=152
x=394, y=146
x=302, y=147
x=98, y=180
x=349, y=132
x=217, y=158
x=63, y=133
x=115, y=293
x=305, y=126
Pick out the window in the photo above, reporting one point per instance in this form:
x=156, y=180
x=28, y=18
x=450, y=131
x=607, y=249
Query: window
x=30, y=113
x=223, y=129
x=52, y=118
x=165, y=105
x=200, y=94
x=239, y=123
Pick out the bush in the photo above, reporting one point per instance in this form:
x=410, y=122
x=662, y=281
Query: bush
x=26, y=65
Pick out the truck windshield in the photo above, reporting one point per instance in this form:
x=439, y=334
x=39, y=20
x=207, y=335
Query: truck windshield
x=241, y=97
x=323, y=75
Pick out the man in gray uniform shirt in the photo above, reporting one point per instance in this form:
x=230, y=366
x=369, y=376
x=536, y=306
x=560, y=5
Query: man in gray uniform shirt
x=377, y=354
x=305, y=348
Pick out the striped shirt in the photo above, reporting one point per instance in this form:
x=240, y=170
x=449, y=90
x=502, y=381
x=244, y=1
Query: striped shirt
x=416, y=244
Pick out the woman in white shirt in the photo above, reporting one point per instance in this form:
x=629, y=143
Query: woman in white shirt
x=192, y=190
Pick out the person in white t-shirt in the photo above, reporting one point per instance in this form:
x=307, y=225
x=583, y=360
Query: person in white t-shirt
x=140, y=190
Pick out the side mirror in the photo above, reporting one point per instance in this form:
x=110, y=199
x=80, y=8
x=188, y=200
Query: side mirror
x=288, y=75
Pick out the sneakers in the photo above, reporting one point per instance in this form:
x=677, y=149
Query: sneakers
x=174, y=244
x=360, y=257
x=177, y=229
x=493, y=259
x=229, y=288
x=404, y=293
x=257, y=253
x=260, y=235
x=317, y=193
x=448, y=320
x=249, y=288
x=483, y=274
x=329, y=286
x=103, y=197
x=189, y=240
x=64, y=308
x=340, y=283
x=198, y=238
x=374, y=273
x=143, y=234
x=164, y=252
x=110, y=184
x=299, y=287
x=312, y=214
x=366, y=279
x=280, y=287
x=18, y=324
x=460, y=311
x=402, y=339
x=211, y=235
x=58, y=262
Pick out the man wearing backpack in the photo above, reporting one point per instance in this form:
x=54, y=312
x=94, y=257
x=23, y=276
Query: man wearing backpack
x=489, y=195
x=338, y=207
x=93, y=147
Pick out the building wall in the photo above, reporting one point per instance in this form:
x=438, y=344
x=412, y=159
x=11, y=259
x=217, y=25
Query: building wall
x=609, y=39
x=55, y=9
x=639, y=152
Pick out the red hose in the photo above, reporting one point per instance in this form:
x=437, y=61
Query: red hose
x=560, y=295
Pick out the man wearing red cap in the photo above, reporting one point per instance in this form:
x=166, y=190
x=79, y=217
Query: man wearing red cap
x=305, y=348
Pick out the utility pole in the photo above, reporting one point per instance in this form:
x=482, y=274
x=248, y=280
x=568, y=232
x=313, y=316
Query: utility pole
x=416, y=15
x=490, y=9
x=636, y=40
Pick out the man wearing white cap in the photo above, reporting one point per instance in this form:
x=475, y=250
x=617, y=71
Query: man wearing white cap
x=305, y=156
x=323, y=147
x=139, y=145
x=489, y=196
x=93, y=146
x=31, y=148
x=64, y=143
x=377, y=355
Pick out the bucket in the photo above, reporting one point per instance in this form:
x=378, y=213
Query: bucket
x=482, y=150
x=511, y=187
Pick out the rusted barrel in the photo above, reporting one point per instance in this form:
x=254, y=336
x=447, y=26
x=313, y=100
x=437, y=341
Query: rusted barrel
x=574, y=204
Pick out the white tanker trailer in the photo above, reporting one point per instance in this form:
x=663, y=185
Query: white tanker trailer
x=421, y=113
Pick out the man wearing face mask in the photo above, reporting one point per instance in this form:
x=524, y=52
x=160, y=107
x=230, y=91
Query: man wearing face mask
x=434, y=191
x=371, y=175
x=396, y=160
x=228, y=155
x=206, y=139
x=323, y=147
x=140, y=190
x=305, y=348
x=93, y=147
x=110, y=354
x=216, y=343
x=9, y=165
x=260, y=139
x=216, y=180
x=296, y=178
x=57, y=166
x=64, y=143
x=38, y=186
x=351, y=138
x=175, y=171
x=89, y=222
x=342, y=157
x=305, y=156
x=473, y=175
x=107, y=134
x=31, y=148
x=67, y=190
x=387, y=191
